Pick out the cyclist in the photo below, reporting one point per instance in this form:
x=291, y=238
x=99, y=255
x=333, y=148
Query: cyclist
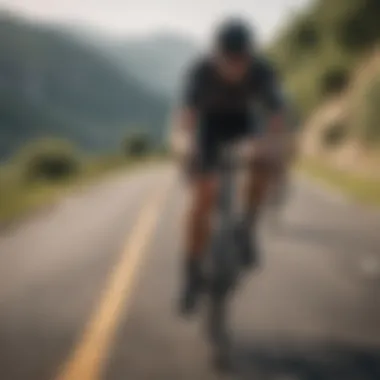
x=221, y=90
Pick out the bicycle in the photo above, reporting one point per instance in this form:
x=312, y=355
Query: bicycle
x=222, y=265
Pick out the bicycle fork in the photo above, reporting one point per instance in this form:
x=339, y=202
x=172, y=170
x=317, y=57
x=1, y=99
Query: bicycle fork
x=223, y=250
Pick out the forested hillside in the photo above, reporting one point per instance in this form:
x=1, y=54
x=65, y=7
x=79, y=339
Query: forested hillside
x=53, y=85
x=319, y=50
x=157, y=61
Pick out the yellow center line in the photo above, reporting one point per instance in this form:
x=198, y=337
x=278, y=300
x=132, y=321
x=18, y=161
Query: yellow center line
x=87, y=360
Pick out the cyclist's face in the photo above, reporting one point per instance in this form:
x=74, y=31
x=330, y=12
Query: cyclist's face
x=234, y=67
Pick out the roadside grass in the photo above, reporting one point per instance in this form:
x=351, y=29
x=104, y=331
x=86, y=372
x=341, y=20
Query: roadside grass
x=19, y=198
x=362, y=189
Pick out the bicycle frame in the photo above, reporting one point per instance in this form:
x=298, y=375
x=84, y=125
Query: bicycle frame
x=223, y=252
x=223, y=260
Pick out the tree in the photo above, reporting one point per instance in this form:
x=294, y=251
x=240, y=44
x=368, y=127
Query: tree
x=335, y=134
x=361, y=28
x=334, y=80
x=306, y=36
x=137, y=144
x=48, y=159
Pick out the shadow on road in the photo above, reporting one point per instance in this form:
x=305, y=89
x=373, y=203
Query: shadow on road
x=287, y=359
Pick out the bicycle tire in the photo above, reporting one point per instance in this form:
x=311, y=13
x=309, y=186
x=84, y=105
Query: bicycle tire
x=224, y=273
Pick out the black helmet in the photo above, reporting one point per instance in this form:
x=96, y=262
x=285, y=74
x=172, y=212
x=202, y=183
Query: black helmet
x=234, y=36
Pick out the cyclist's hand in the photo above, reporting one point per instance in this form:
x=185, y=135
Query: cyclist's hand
x=181, y=144
x=185, y=153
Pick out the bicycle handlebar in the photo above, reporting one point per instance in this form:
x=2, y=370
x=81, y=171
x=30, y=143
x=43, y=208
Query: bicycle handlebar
x=237, y=155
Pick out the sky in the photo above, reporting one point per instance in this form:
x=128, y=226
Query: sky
x=193, y=17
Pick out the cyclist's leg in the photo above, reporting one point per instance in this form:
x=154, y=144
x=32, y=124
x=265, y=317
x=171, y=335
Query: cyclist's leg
x=255, y=191
x=257, y=185
x=203, y=187
x=259, y=176
x=202, y=197
x=256, y=188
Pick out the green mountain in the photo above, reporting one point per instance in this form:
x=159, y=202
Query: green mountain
x=52, y=84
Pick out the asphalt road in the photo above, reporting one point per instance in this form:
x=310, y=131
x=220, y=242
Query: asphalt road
x=87, y=290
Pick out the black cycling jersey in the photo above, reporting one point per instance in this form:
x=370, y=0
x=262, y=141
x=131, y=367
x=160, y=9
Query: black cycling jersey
x=228, y=111
x=221, y=104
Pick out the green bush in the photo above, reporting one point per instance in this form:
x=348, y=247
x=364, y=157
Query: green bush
x=334, y=80
x=355, y=35
x=360, y=28
x=306, y=37
x=48, y=160
x=137, y=144
x=334, y=134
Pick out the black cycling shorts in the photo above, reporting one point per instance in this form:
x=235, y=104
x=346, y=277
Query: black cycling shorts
x=212, y=137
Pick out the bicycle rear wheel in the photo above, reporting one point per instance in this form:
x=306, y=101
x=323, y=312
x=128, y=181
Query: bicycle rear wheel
x=219, y=335
x=223, y=272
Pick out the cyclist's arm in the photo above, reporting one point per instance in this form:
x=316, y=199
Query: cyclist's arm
x=186, y=116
